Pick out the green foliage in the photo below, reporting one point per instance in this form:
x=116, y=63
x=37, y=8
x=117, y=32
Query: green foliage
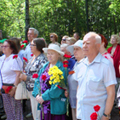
x=63, y=17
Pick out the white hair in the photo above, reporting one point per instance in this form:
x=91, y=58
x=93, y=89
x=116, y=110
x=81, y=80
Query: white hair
x=35, y=31
x=97, y=37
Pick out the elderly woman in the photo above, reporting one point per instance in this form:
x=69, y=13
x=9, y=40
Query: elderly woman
x=72, y=81
x=33, y=66
x=54, y=38
x=103, y=47
x=10, y=67
x=51, y=96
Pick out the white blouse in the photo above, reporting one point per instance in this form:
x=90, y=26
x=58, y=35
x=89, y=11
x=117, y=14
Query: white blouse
x=8, y=67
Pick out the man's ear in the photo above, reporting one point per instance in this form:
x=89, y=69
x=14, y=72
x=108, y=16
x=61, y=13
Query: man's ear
x=98, y=46
x=35, y=35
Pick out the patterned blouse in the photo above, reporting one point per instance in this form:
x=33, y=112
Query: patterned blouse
x=34, y=67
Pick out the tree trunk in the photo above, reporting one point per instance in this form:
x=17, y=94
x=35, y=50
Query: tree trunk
x=26, y=17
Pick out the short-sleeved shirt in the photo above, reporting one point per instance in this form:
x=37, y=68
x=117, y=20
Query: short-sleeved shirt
x=8, y=67
x=92, y=80
x=108, y=56
x=27, y=52
x=72, y=84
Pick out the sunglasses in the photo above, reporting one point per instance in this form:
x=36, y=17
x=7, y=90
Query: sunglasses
x=51, y=36
x=64, y=39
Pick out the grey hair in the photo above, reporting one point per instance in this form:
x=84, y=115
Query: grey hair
x=97, y=37
x=35, y=31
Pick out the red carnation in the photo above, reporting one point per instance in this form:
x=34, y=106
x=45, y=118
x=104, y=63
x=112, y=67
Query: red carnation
x=67, y=56
x=96, y=108
x=8, y=89
x=93, y=116
x=25, y=41
x=106, y=57
x=44, y=77
x=22, y=46
x=65, y=62
x=35, y=75
x=15, y=56
x=65, y=65
x=31, y=54
x=60, y=87
x=25, y=59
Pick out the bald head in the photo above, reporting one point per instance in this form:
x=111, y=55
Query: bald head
x=93, y=36
x=91, y=44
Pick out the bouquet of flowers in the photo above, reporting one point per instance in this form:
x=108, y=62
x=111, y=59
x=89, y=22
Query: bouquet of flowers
x=56, y=77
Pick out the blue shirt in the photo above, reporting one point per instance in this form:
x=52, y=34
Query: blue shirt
x=92, y=80
x=72, y=84
x=27, y=52
x=21, y=54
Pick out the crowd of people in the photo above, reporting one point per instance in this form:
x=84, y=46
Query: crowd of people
x=72, y=80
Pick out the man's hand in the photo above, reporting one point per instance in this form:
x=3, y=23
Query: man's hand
x=104, y=118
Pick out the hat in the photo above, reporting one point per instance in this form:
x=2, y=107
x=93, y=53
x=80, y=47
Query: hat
x=2, y=41
x=70, y=48
x=53, y=47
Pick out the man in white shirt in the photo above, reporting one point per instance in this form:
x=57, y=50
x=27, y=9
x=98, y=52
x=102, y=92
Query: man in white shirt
x=32, y=33
x=96, y=81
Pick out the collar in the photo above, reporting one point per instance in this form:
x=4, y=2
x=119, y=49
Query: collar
x=97, y=59
x=58, y=64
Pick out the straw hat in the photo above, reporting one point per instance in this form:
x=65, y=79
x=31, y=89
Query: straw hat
x=55, y=48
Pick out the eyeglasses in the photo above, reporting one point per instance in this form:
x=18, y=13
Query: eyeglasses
x=32, y=45
x=4, y=46
x=51, y=36
x=64, y=39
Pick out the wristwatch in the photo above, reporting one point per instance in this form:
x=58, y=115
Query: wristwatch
x=108, y=116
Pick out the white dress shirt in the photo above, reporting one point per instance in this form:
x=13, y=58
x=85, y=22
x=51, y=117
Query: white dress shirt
x=92, y=80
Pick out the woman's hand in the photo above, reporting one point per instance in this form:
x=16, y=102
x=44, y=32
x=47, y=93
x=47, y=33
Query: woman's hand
x=12, y=91
x=39, y=99
x=23, y=77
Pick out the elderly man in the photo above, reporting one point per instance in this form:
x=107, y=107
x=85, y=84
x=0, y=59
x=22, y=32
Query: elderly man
x=32, y=33
x=96, y=81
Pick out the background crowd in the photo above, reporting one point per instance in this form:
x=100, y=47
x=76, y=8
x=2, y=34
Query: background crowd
x=73, y=76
